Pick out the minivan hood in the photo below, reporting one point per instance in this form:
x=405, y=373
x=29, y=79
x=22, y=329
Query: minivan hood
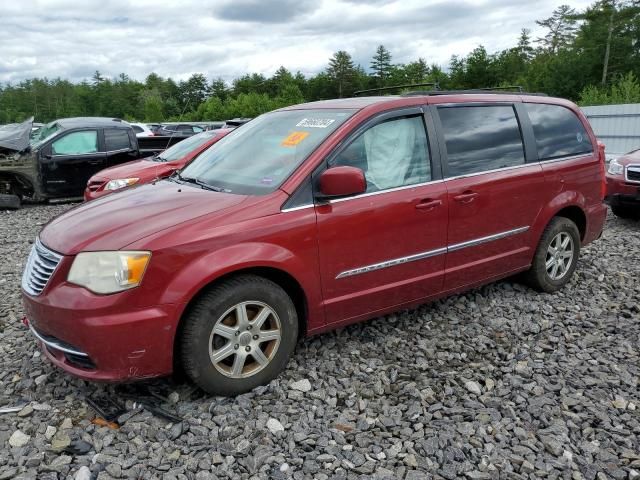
x=114, y=221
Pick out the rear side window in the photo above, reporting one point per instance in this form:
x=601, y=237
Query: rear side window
x=137, y=129
x=481, y=138
x=558, y=131
x=116, y=139
x=76, y=143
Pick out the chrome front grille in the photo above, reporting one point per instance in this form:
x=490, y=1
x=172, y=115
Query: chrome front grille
x=633, y=173
x=41, y=264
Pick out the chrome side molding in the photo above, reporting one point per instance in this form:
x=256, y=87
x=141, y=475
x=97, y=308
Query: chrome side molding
x=431, y=253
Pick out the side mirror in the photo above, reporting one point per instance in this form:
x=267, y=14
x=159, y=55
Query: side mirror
x=341, y=181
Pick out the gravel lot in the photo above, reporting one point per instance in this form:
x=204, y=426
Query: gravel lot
x=502, y=382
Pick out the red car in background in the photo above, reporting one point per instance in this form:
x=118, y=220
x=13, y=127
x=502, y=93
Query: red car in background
x=623, y=185
x=162, y=165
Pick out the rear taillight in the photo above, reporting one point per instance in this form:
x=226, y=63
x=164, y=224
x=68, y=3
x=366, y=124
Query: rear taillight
x=603, y=169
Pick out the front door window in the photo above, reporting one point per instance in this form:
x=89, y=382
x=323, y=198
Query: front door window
x=392, y=154
x=76, y=143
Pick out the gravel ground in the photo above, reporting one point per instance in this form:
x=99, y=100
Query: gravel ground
x=501, y=382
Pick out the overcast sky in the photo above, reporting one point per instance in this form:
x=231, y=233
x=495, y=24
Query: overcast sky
x=228, y=38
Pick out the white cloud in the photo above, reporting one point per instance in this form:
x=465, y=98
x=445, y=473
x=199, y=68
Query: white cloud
x=70, y=39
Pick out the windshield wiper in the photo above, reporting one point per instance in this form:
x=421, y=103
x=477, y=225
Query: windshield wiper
x=200, y=183
x=158, y=158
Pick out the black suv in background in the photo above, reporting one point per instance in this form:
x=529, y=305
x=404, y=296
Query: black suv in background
x=62, y=156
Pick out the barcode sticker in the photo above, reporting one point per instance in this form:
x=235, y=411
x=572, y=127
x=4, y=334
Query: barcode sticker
x=315, y=122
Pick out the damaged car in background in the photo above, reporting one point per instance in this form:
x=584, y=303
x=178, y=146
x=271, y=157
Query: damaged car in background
x=15, y=174
x=59, y=159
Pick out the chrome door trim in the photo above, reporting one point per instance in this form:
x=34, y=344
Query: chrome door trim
x=294, y=209
x=567, y=157
x=489, y=238
x=392, y=263
x=484, y=172
x=431, y=253
x=380, y=192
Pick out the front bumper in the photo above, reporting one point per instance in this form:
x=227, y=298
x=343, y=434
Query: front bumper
x=98, y=338
x=623, y=200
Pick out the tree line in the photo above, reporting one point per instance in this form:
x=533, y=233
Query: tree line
x=590, y=56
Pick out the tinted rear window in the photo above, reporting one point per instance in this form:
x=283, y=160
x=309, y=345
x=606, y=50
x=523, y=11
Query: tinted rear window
x=116, y=139
x=481, y=138
x=559, y=132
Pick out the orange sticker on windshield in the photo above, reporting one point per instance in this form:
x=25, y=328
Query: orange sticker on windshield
x=294, y=139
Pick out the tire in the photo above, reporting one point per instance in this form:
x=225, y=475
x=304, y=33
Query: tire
x=10, y=202
x=626, y=212
x=541, y=275
x=211, y=357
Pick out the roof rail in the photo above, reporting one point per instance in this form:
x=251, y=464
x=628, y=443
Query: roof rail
x=486, y=90
x=395, y=87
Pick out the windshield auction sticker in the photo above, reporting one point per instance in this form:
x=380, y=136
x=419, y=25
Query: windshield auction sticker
x=294, y=139
x=315, y=122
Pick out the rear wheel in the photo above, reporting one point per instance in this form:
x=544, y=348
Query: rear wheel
x=238, y=335
x=626, y=212
x=10, y=201
x=556, y=257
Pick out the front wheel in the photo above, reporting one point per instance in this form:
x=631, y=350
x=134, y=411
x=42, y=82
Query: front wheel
x=238, y=335
x=556, y=256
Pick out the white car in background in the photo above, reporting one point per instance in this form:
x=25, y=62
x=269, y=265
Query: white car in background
x=142, y=130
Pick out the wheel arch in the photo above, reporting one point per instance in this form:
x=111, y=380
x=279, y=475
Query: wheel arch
x=577, y=215
x=277, y=275
x=24, y=186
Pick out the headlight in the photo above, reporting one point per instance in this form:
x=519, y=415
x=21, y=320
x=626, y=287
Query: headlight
x=615, y=168
x=108, y=272
x=119, y=183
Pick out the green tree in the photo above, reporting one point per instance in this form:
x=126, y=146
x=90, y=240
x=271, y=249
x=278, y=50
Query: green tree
x=218, y=89
x=381, y=65
x=561, y=28
x=193, y=91
x=342, y=71
x=625, y=90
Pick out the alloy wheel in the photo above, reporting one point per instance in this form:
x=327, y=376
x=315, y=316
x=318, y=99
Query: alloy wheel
x=559, y=256
x=245, y=339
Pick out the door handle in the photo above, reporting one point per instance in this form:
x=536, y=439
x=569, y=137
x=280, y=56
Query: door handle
x=466, y=197
x=428, y=204
x=94, y=162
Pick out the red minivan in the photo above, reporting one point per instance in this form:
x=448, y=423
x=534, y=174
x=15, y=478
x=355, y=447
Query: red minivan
x=146, y=170
x=310, y=218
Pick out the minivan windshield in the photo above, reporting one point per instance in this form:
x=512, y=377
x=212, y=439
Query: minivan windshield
x=182, y=148
x=256, y=158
